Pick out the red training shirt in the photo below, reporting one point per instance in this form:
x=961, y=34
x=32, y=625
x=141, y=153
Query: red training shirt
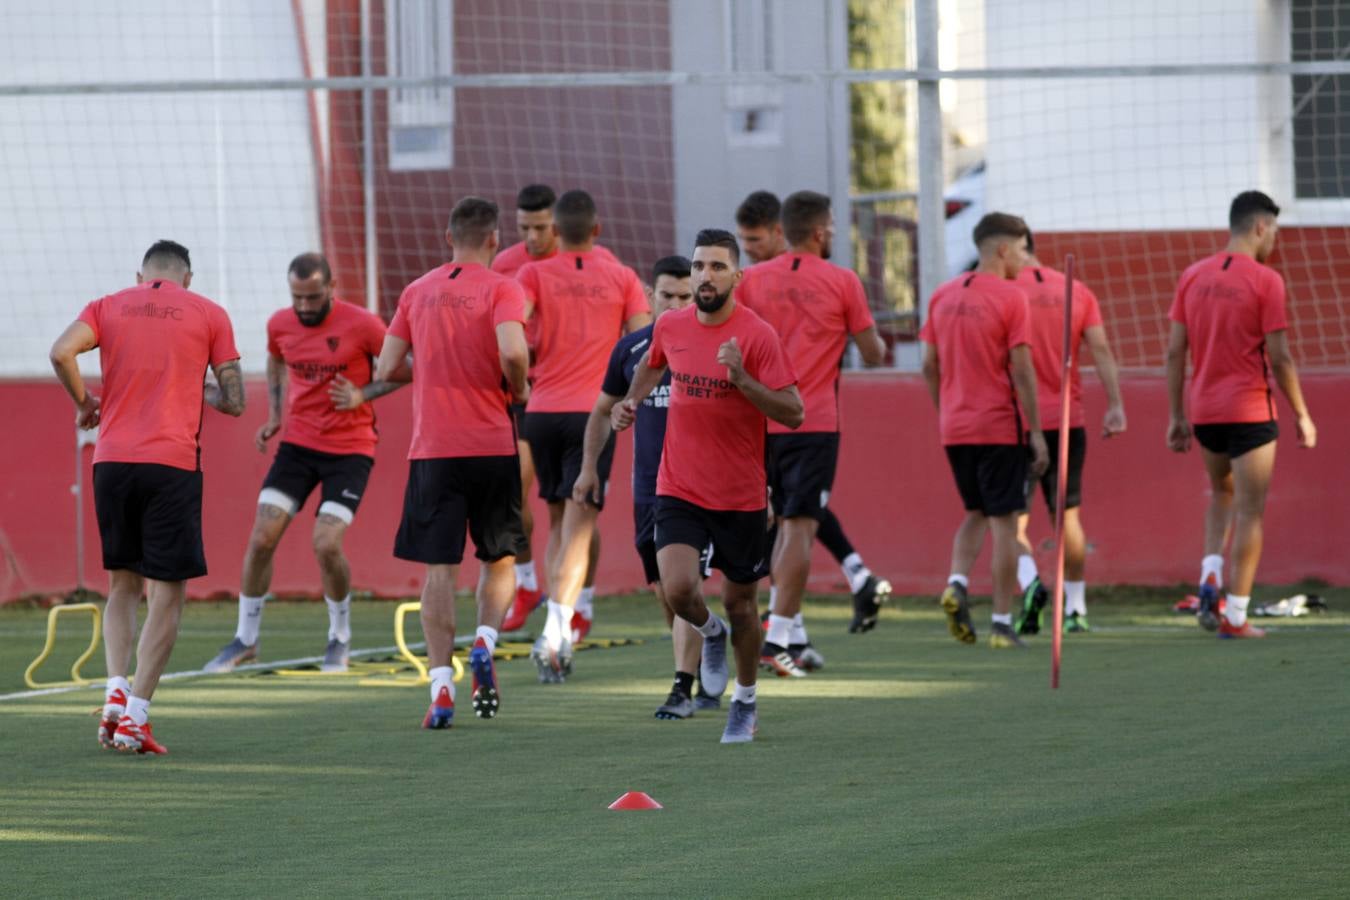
x=974, y=321
x=1044, y=288
x=509, y=261
x=814, y=306
x=713, y=454
x=342, y=344
x=581, y=304
x=1229, y=303
x=450, y=317
x=155, y=340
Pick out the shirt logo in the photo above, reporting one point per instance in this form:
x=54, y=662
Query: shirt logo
x=152, y=311
x=333, y=344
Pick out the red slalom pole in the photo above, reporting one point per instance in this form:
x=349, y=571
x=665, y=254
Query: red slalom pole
x=1061, y=484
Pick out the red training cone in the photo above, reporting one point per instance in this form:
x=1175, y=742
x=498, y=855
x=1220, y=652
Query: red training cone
x=635, y=800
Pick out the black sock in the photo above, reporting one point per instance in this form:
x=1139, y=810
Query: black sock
x=831, y=536
x=684, y=683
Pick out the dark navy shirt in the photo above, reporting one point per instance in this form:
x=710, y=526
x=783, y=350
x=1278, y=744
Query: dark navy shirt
x=649, y=431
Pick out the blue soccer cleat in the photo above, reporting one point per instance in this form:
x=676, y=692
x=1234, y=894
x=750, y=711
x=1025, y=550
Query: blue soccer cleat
x=486, y=699
x=441, y=713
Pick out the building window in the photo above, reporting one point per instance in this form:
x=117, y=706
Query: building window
x=1320, y=31
x=754, y=112
x=419, y=36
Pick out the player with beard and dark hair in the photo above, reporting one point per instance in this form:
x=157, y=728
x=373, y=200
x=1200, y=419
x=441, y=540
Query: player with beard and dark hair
x=320, y=354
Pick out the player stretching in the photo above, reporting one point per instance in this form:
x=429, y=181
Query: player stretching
x=1044, y=288
x=759, y=225
x=327, y=438
x=579, y=305
x=975, y=335
x=538, y=241
x=1229, y=310
x=671, y=291
x=814, y=306
x=729, y=374
x=465, y=327
x=155, y=340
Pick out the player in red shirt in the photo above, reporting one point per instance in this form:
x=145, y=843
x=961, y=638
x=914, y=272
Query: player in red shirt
x=729, y=376
x=1229, y=311
x=465, y=327
x=538, y=242
x=578, y=305
x=1044, y=288
x=975, y=344
x=155, y=341
x=320, y=354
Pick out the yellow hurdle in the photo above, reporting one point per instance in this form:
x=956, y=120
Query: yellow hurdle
x=401, y=641
x=75, y=676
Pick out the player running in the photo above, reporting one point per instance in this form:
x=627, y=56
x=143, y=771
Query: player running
x=579, y=305
x=1229, y=311
x=155, y=341
x=975, y=338
x=815, y=306
x=729, y=375
x=465, y=327
x=1044, y=288
x=320, y=353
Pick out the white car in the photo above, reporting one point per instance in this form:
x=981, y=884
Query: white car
x=964, y=202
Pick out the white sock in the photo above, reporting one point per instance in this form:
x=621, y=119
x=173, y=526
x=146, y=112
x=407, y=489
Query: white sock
x=586, y=602
x=710, y=628
x=1003, y=619
x=773, y=597
x=488, y=636
x=250, y=619
x=780, y=629
x=797, y=634
x=118, y=683
x=958, y=578
x=139, y=710
x=1212, y=565
x=1075, y=600
x=526, y=577
x=442, y=677
x=1235, y=610
x=742, y=693
x=115, y=683
x=559, y=623
x=1026, y=571
x=855, y=572
x=340, y=619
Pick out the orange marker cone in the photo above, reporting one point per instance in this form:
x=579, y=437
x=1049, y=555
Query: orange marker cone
x=635, y=800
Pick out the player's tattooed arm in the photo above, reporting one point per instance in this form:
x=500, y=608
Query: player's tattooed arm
x=227, y=393
x=347, y=396
x=276, y=392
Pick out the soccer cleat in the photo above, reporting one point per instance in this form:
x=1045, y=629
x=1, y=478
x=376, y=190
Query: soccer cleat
x=114, y=707
x=334, y=657
x=677, y=706
x=806, y=657
x=231, y=655
x=742, y=722
x=1076, y=623
x=547, y=662
x=867, y=602
x=1034, y=598
x=1188, y=604
x=1207, y=612
x=957, y=607
x=1229, y=631
x=486, y=700
x=526, y=602
x=704, y=700
x=712, y=668
x=565, y=657
x=441, y=712
x=1003, y=637
x=773, y=658
x=133, y=738
x=581, y=626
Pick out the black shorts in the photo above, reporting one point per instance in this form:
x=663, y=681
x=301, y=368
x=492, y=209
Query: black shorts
x=297, y=470
x=737, y=541
x=991, y=478
x=555, y=443
x=1233, y=439
x=644, y=538
x=801, y=472
x=446, y=498
x=150, y=519
x=1073, y=489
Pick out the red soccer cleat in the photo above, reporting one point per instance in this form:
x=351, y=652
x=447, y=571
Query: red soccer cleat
x=133, y=738
x=1188, y=604
x=1229, y=631
x=581, y=626
x=114, y=707
x=526, y=602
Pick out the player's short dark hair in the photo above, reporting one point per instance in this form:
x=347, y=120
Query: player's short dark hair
x=802, y=213
x=574, y=215
x=167, y=255
x=759, y=210
x=471, y=222
x=674, y=266
x=306, y=264
x=996, y=225
x=719, y=237
x=1031, y=242
x=534, y=197
x=1247, y=206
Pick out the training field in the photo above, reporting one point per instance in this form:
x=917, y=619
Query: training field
x=1169, y=764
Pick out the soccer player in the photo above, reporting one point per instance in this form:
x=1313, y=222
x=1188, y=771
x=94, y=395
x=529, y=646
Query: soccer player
x=671, y=291
x=155, y=341
x=320, y=355
x=815, y=306
x=976, y=336
x=465, y=327
x=579, y=305
x=729, y=376
x=1044, y=288
x=538, y=242
x=760, y=228
x=1229, y=311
